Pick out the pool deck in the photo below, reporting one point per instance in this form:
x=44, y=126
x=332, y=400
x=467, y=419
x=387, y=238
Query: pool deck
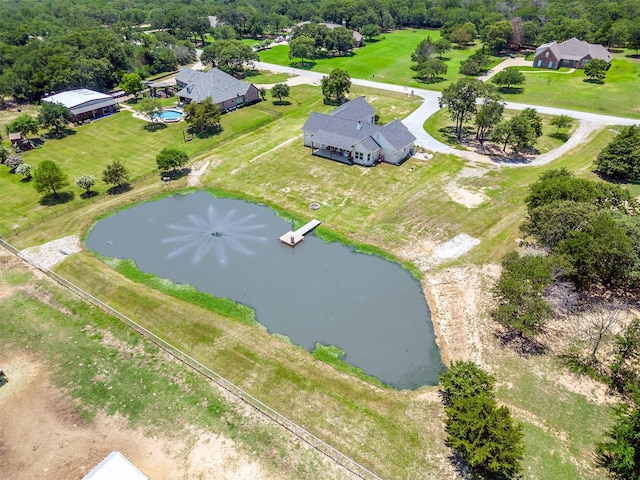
x=292, y=238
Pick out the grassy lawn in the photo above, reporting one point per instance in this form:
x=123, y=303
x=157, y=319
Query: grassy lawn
x=259, y=77
x=386, y=60
x=396, y=434
x=617, y=96
x=440, y=127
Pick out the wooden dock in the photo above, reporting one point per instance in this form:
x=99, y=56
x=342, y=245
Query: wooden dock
x=294, y=238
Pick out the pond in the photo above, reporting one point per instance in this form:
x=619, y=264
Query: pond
x=317, y=292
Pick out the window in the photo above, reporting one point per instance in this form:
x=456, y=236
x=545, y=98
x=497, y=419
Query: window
x=550, y=65
x=368, y=157
x=539, y=64
x=546, y=54
x=359, y=155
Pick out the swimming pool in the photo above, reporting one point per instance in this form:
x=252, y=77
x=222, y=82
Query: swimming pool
x=170, y=115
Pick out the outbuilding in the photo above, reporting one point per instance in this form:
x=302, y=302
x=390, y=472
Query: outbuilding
x=84, y=104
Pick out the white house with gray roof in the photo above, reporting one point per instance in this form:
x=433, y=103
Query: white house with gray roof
x=573, y=53
x=349, y=134
x=225, y=90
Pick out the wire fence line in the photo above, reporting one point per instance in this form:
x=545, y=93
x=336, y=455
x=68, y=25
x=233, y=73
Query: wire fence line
x=320, y=445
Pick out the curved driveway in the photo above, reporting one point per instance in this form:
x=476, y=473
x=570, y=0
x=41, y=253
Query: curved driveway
x=415, y=121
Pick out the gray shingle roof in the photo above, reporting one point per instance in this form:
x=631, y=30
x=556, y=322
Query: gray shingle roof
x=574, y=49
x=343, y=128
x=214, y=83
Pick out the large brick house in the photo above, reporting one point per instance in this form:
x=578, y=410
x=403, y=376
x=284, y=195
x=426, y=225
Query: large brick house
x=349, y=134
x=573, y=53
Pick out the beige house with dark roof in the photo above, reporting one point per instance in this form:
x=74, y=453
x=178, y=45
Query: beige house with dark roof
x=573, y=53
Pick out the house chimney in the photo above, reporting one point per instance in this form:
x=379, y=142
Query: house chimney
x=359, y=125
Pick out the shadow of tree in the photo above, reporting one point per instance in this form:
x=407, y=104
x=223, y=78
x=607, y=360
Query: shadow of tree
x=51, y=199
x=308, y=65
x=89, y=194
x=118, y=189
x=521, y=344
x=283, y=102
x=593, y=80
x=449, y=134
x=563, y=137
x=511, y=90
x=154, y=126
x=25, y=179
x=174, y=174
x=430, y=81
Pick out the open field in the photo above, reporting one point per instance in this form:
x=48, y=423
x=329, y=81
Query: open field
x=617, y=96
x=405, y=211
x=385, y=60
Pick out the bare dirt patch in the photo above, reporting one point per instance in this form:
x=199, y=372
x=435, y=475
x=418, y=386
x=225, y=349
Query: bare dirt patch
x=48, y=255
x=43, y=436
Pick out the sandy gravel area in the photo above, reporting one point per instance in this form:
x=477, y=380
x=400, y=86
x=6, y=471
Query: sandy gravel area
x=47, y=255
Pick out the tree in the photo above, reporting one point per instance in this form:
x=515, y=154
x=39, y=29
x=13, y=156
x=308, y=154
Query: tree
x=54, y=115
x=115, y=174
x=561, y=121
x=621, y=157
x=621, y=453
x=280, y=90
x=488, y=116
x=25, y=124
x=85, y=182
x=424, y=51
x=49, y=178
x=429, y=70
x=460, y=100
x=204, y=116
x=463, y=34
x=596, y=70
x=149, y=106
x=131, y=84
x=482, y=433
x=475, y=64
x=302, y=47
x=4, y=153
x=228, y=55
x=497, y=36
x=519, y=292
x=263, y=93
x=171, y=158
x=370, y=31
x=336, y=85
x=508, y=77
x=340, y=40
x=520, y=132
x=13, y=162
x=24, y=169
x=442, y=46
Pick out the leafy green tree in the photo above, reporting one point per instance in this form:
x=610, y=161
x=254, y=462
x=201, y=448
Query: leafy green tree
x=620, y=454
x=4, y=153
x=442, y=46
x=25, y=124
x=429, y=70
x=340, y=40
x=460, y=100
x=463, y=34
x=520, y=132
x=149, y=106
x=561, y=121
x=131, y=84
x=24, y=169
x=370, y=31
x=204, y=116
x=508, y=78
x=115, y=174
x=475, y=64
x=54, y=115
x=229, y=55
x=336, y=85
x=625, y=370
x=424, y=51
x=280, y=90
x=596, y=70
x=621, y=157
x=488, y=116
x=263, y=93
x=302, y=47
x=497, y=36
x=86, y=183
x=49, y=178
x=519, y=292
x=171, y=158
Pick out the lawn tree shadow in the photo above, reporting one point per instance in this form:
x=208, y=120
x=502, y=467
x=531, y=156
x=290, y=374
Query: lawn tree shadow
x=25, y=179
x=119, y=189
x=174, y=174
x=449, y=134
x=89, y=194
x=459, y=464
x=521, y=344
x=209, y=133
x=154, y=126
x=511, y=90
x=283, y=102
x=51, y=199
x=308, y=65
x=563, y=137
x=593, y=80
x=430, y=82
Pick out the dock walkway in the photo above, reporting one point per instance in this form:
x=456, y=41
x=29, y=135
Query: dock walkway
x=293, y=238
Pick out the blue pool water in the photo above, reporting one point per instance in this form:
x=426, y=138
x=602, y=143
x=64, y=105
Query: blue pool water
x=170, y=115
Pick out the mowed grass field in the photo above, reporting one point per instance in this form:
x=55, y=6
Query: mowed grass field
x=618, y=95
x=396, y=209
x=386, y=59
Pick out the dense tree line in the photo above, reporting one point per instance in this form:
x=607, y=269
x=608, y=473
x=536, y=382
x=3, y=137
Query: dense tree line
x=58, y=44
